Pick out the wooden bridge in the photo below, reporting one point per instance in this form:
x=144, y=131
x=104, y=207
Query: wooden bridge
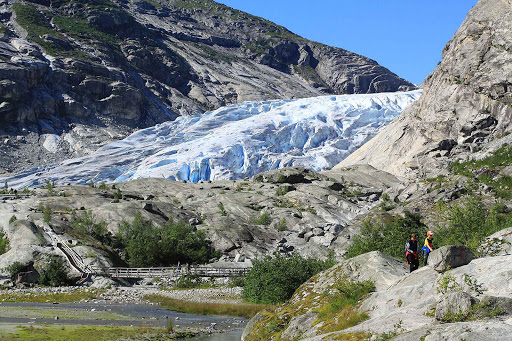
x=201, y=271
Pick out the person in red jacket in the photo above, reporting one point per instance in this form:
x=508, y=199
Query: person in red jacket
x=411, y=252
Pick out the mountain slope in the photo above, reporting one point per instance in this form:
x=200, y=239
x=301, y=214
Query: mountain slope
x=466, y=104
x=98, y=70
x=233, y=142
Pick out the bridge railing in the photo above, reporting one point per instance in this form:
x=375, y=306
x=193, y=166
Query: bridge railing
x=172, y=272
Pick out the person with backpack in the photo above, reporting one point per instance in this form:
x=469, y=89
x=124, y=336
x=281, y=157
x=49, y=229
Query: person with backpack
x=411, y=252
x=428, y=246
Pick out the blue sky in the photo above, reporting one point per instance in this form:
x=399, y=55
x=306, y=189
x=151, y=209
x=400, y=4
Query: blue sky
x=406, y=36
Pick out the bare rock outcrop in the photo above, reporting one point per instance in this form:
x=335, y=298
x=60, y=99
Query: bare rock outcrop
x=466, y=102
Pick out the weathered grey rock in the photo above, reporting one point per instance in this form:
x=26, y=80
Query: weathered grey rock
x=470, y=331
x=450, y=257
x=299, y=327
x=465, y=102
x=454, y=303
x=249, y=327
x=497, y=244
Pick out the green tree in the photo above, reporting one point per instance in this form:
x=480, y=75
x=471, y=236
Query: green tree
x=387, y=235
x=273, y=280
x=54, y=273
x=470, y=222
x=86, y=224
x=15, y=268
x=146, y=244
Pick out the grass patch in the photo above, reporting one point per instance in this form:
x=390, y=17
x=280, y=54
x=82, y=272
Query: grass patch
x=341, y=310
x=245, y=310
x=81, y=29
x=61, y=297
x=263, y=219
x=91, y=333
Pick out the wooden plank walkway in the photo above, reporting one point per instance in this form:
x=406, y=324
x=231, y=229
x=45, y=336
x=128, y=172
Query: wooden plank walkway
x=201, y=271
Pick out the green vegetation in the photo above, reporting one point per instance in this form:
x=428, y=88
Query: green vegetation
x=118, y=195
x=85, y=224
x=81, y=29
x=50, y=186
x=54, y=273
x=191, y=281
x=387, y=235
x=103, y=186
x=4, y=242
x=146, y=245
x=212, y=54
x=16, y=268
x=478, y=311
x=282, y=225
x=340, y=311
x=222, y=210
x=386, y=204
x=487, y=170
x=263, y=219
x=273, y=280
x=90, y=333
x=47, y=214
x=203, y=308
x=470, y=222
x=61, y=297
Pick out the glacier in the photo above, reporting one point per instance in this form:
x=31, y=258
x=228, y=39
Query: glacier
x=234, y=142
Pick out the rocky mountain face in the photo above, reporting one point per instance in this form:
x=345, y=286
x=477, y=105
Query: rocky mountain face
x=289, y=210
x=94, y=71
x=466, y=105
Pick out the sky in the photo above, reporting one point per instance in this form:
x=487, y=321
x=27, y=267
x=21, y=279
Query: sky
x=406, y=36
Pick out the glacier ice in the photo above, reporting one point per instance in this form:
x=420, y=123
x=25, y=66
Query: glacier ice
x=235, y=142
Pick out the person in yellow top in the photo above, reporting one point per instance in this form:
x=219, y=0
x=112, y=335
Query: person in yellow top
x=428, y=247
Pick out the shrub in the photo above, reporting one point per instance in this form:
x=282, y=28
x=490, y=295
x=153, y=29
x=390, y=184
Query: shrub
x=222, y=210
x=282, y=225
x=273, y=280
x=118, y=195
x=469, y=223
x=102, y=186
x=4, y=243
x=16, y=268
x=146, y=244
x=12, y=219
x=263, y=219
x=54, y=273
x=387, y=235
x=47, y=214
x=85, y=224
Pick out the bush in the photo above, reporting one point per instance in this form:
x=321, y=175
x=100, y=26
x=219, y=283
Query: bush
x=12, y=219
x=274, y=279
x=54, y=273
x=469, y=223
x=387, y=235
x=148, y=245
x=189, y=281
x=85, y=224
x=263, y=219
x=16, y=268
x=4, y=243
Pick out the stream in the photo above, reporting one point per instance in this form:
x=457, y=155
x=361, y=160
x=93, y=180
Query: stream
x=109, y=314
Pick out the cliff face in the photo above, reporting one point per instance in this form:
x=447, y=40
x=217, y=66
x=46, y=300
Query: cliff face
x=92, y=71
x=467, y=100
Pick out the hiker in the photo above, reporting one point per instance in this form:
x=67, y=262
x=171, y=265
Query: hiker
x=428, y=246
x=178, y=268
x=411, y=252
